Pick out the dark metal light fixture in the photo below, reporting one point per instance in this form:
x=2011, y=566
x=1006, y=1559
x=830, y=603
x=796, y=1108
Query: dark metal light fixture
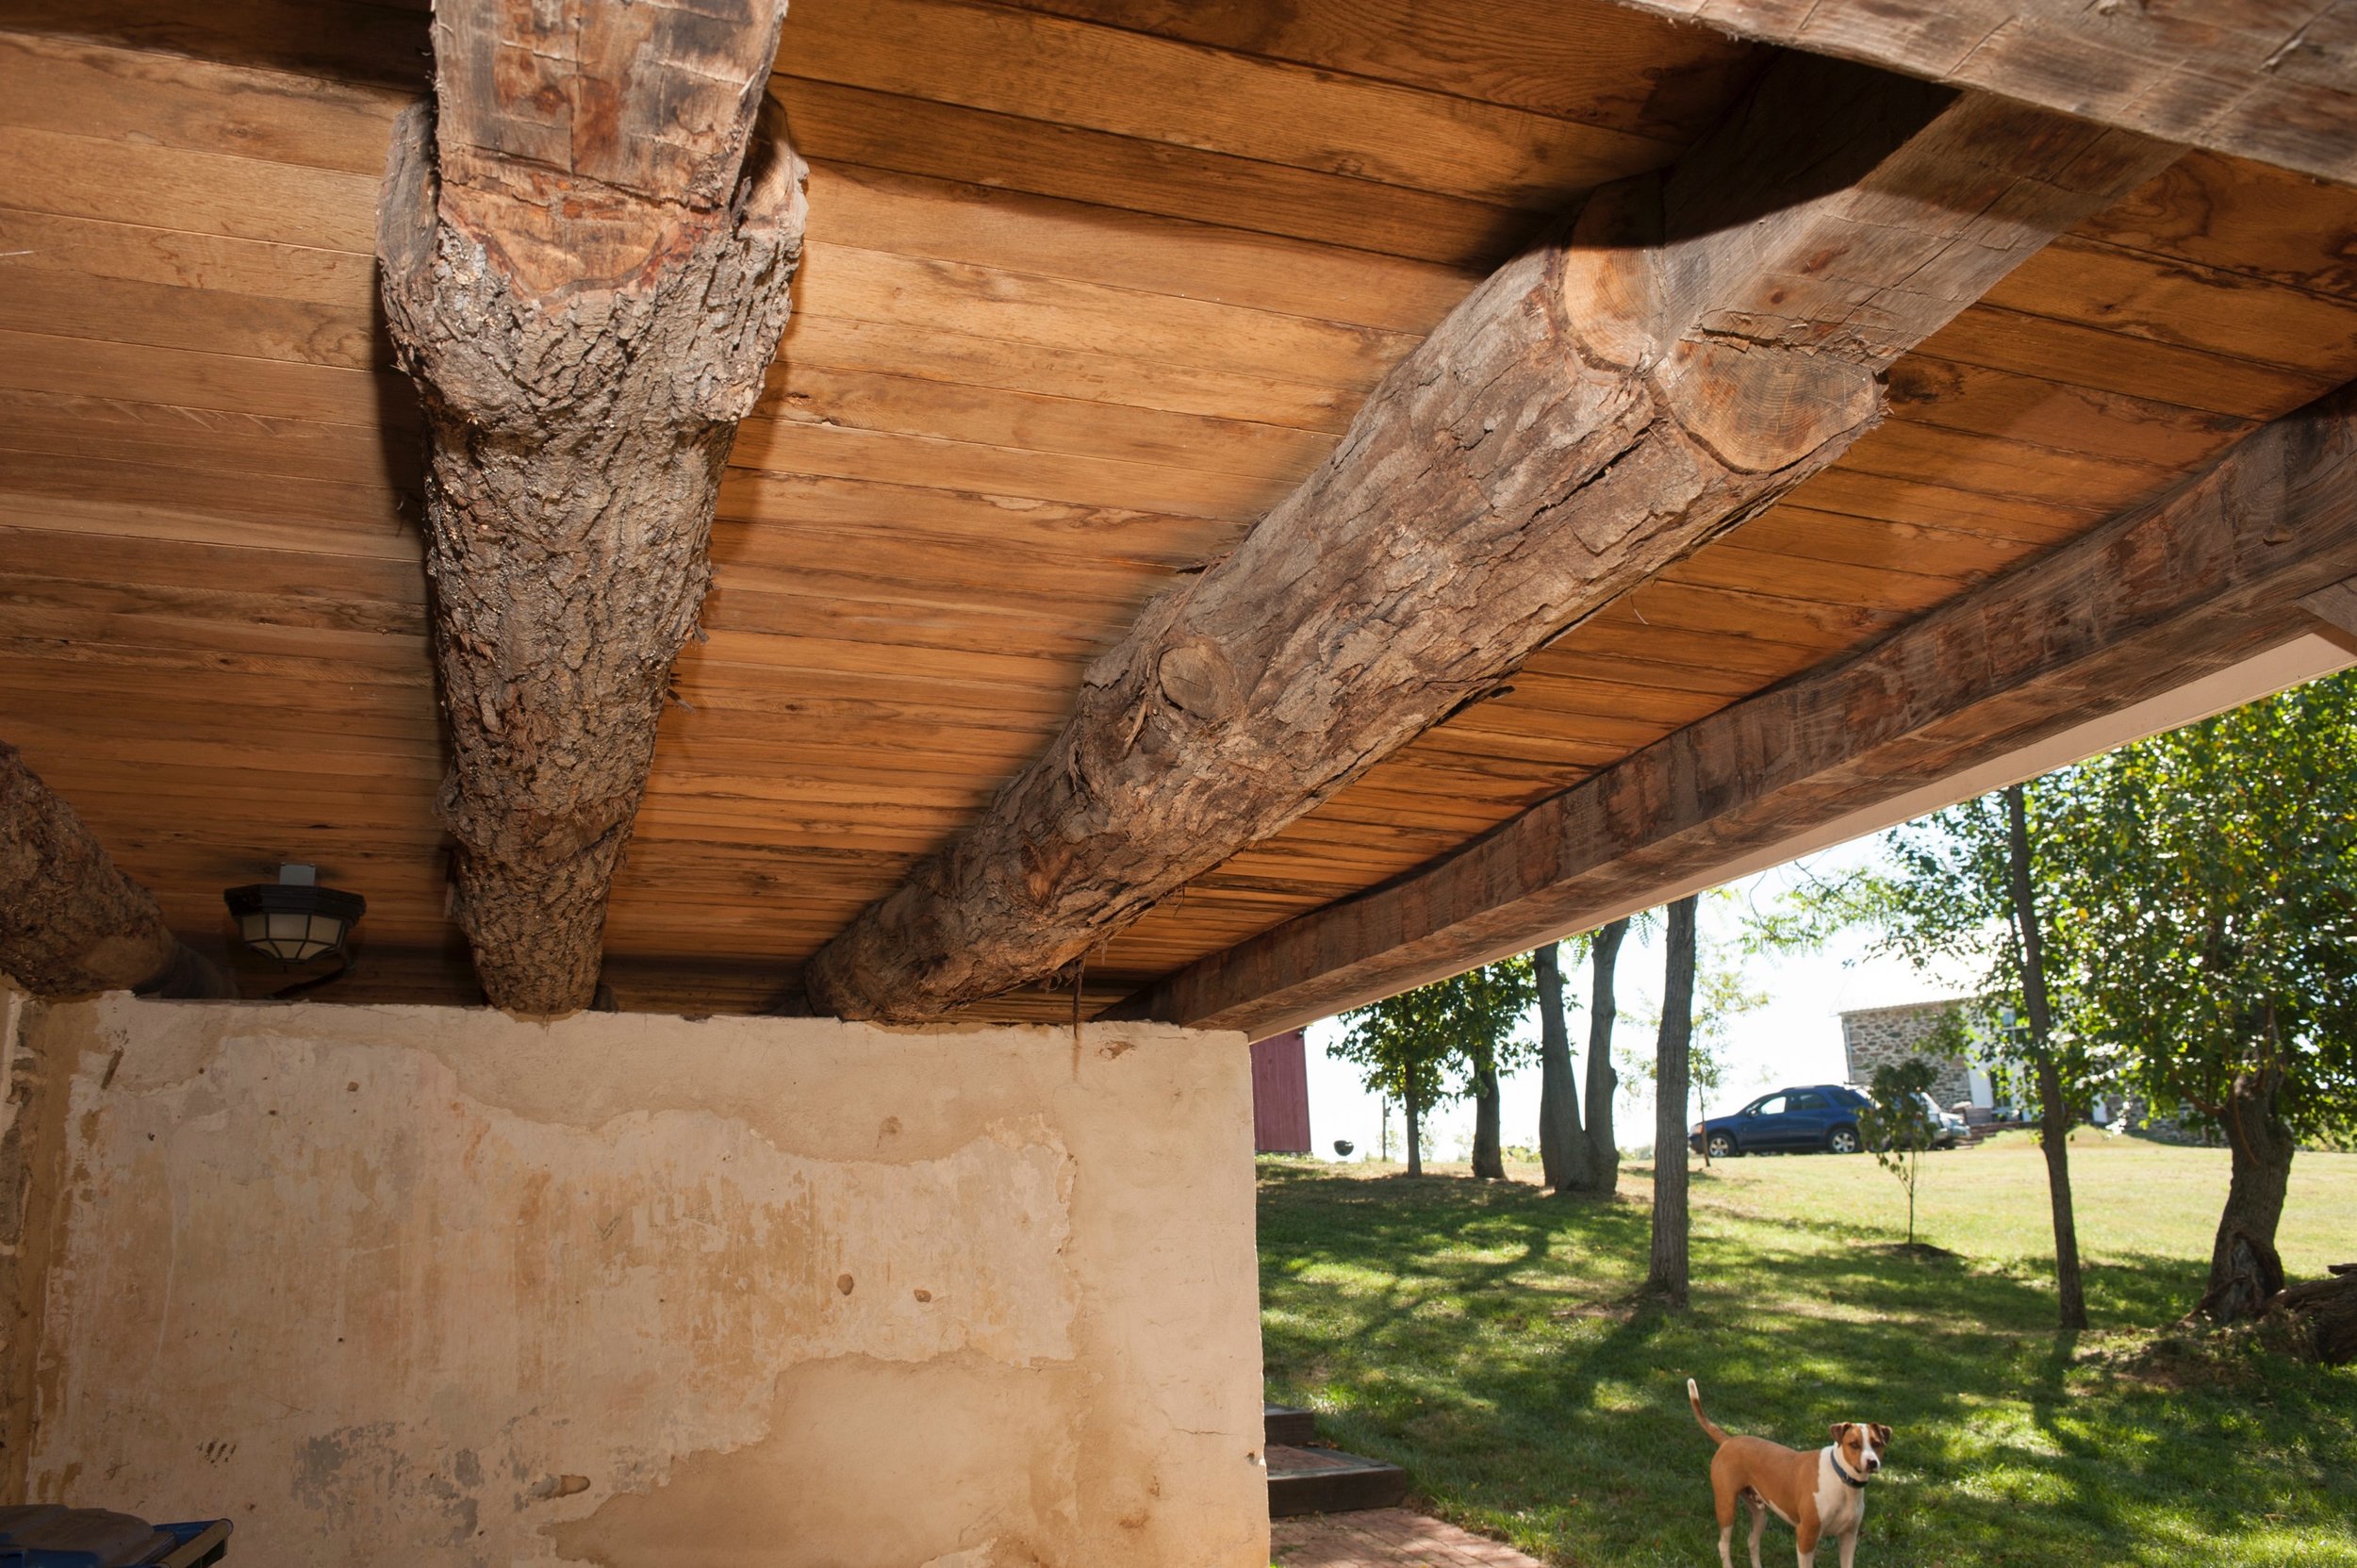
x=294, y=918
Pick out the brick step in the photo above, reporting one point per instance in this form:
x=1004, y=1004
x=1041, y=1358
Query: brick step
x=1284, y=1423
x=1326, y=1480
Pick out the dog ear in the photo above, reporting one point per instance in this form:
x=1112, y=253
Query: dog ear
x=1836, y=1429
x=1882, y=1435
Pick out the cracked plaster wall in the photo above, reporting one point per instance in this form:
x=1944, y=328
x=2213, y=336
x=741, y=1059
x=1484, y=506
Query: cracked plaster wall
x=422, y=1286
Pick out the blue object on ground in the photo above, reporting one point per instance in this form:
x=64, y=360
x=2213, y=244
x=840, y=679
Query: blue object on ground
x=45, y=1535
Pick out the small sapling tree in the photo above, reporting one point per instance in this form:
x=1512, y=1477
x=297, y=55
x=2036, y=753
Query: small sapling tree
x=1898, y=1126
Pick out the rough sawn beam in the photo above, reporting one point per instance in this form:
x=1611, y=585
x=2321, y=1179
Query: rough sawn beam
x=585, y=241
x=71, y=922
x=1685, y=353
x=2157, y=598
x=2273, y=82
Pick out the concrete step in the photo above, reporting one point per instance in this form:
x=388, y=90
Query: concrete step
x=1284, y=1423
x=1326, y=1480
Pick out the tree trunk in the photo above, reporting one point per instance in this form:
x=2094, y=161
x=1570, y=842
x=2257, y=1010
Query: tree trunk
x=585, y=247
x=1415, y=1139
x=2054, y=1113
x=1645, y=377
x=1603, y=1082
x=1667, y=1277
x=71, y=922
x=1562, y=1141
x=2262, y=1147
x=1489, y=1157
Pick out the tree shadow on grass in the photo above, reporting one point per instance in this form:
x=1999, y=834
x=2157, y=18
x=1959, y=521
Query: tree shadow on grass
x=1478, y=1335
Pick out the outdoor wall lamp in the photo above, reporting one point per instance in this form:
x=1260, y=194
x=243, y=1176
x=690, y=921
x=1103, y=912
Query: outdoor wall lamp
x=294, y=918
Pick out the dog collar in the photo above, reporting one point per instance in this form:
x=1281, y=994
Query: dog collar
x=1836, y=1455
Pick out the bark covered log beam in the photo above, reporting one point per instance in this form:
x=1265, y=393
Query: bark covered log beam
x=585, y=239
x=2274, y=83
x=1686, y=350
x=71, y=922
x=2155, y=598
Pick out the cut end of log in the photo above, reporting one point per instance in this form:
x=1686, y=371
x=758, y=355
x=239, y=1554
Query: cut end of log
x=587, y=246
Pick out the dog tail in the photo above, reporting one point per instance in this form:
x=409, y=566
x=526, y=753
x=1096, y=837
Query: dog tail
x=1710, y=1428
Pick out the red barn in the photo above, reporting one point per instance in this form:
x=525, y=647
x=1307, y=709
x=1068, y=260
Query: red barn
x=1280, y=1095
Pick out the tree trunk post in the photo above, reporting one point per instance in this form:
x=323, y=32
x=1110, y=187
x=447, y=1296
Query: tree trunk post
x=1603, y=1147
x=1562, y=1141
x=1489, y=1156
x=1672, y=361
x=2054, y=1113
x=1667, y=1278
x=584, y=246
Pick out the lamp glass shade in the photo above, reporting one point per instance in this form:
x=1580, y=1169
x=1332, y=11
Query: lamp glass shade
x=294, y=922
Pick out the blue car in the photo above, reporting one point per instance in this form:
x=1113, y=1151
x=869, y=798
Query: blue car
x=1790, y=1121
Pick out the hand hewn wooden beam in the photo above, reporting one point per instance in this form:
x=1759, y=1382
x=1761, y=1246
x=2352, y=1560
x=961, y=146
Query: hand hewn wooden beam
x=2150, y=601
x=2273, y=82
x=71, y=922
x=585, y=240
x=2335, y=611
x=1679, y=358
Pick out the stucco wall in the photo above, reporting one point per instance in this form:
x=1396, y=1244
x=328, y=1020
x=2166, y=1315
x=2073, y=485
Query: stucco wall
x=411, y=1285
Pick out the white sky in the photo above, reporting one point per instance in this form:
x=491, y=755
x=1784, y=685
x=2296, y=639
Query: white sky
x=1795, y=1038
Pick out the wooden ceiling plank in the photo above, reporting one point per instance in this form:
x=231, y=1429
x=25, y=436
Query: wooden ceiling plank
x=95, y=89
x=1090, y=242
x=914, y=136
x=2050, y=411
x=2163, y=594
x=1805, y=534
x=780, y=446
x=204, y=440
x=327, y=507
x=920, y=348
x=2117, y=362
x=1997, y=466
x=42, y=362
x=2186, y=305
x=2243, y=217
x=1577, y=61
x=96, y=248
x=39, y=300
x=335, y=40
x=849, y=282
x=1027, y=421
x=2238, y=79
x=1426, y=559
x=1150, y=87
x=238, y=198
x=1888, y=499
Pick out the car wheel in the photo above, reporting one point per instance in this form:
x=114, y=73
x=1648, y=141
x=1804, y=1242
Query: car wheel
x=1844, y=1140
x=1722, y=1147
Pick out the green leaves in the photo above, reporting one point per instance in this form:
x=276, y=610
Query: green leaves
x=1469, y=1022
x=2200, y=900
x=2207, y=880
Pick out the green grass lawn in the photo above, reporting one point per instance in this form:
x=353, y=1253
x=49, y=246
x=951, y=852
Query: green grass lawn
x=1478, y=1334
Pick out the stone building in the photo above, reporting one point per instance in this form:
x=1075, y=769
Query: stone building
x=1878, y=1036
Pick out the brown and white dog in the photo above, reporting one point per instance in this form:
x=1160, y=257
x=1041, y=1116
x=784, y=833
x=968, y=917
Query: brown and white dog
x=1819, y=1494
